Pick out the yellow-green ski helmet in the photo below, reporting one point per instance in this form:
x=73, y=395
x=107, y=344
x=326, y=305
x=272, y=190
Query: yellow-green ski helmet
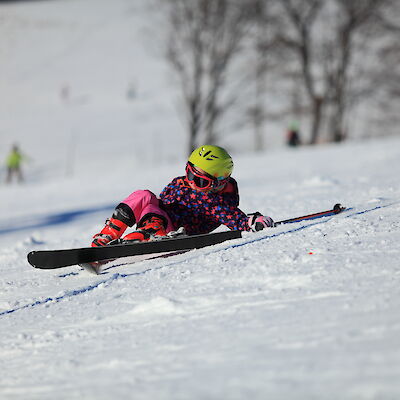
x=212, y=159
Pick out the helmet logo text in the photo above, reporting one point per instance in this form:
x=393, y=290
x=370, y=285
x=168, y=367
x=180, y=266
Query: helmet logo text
x=206, y=155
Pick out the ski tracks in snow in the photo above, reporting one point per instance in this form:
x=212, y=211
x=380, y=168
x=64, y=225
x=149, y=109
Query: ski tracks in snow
x=300, y=303
x=159, y=264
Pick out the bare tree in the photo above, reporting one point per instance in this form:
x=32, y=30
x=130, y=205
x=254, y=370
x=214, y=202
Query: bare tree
x=296, y=23
x=352, y=18
x=325, y=38
x=204, y=37
x=320, y=57
x=381, y=89
x=260, y=46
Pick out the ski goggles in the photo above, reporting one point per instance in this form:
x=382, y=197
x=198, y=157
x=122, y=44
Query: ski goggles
x=202, y=180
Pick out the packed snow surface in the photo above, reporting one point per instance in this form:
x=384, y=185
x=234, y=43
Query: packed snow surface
x=307, y=310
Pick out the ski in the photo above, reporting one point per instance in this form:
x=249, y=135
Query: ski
x=92, y=258
x=52, y=259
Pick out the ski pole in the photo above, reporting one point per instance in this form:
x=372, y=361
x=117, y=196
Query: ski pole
x=337, y=208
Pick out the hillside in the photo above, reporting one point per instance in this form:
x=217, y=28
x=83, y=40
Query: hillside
x=308, y=309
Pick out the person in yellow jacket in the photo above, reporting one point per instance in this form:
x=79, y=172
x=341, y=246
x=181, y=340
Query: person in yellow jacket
x=13, y=164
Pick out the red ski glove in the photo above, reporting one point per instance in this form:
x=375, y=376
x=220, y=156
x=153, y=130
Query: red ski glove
x=257, y=222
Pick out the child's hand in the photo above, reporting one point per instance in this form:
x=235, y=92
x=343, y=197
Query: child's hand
x=257, y=222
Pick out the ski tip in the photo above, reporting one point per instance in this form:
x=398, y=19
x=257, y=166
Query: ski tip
x=30, y=257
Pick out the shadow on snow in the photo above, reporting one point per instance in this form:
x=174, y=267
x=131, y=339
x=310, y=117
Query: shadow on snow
x=43, y=221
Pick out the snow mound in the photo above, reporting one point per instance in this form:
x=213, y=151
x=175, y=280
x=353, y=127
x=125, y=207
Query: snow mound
x=158, y=305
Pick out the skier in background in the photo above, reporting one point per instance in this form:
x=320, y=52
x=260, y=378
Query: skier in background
x=13, y=164
x=293, y=135
x=199, y=202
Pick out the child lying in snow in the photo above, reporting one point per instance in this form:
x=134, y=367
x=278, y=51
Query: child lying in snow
x=205, y=198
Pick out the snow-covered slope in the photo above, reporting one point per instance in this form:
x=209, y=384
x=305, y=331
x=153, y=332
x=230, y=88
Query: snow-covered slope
x=78, y=72
x=305, y=311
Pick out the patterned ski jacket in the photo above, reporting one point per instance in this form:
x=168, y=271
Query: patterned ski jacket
x=202, y=212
